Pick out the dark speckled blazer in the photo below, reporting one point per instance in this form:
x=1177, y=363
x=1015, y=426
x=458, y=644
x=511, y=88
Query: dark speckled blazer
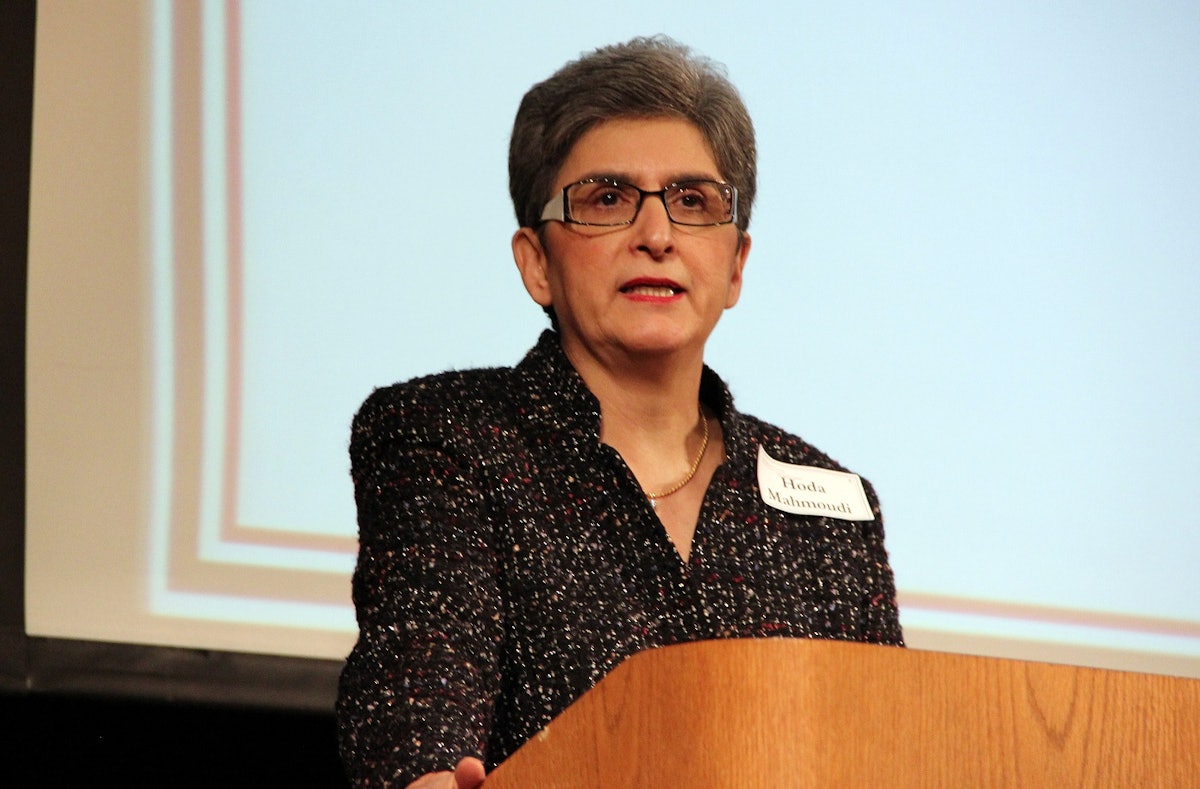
x=508, y=560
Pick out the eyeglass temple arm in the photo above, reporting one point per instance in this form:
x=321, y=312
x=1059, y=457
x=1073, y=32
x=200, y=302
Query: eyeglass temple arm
x=556, y=209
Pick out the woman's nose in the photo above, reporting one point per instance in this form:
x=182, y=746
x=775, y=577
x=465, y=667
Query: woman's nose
x=653, y=230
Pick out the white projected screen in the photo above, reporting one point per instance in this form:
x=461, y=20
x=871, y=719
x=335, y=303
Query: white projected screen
x=975, y=280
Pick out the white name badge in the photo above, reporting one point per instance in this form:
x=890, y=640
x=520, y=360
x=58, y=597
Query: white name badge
x=807, y=490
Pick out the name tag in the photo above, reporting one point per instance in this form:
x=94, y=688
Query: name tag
x=807, y=490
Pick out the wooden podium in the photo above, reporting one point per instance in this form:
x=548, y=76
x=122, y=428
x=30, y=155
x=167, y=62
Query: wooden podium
x=799, y=713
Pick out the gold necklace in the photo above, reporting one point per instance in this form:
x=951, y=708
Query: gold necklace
x=654, y=497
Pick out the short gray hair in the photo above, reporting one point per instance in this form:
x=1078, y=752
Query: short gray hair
x=643, y=78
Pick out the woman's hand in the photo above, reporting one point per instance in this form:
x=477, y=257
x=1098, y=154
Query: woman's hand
x=468, y=774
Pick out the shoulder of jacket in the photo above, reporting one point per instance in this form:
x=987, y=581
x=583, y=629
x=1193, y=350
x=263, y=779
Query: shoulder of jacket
x=456, y=397
x=785, y=446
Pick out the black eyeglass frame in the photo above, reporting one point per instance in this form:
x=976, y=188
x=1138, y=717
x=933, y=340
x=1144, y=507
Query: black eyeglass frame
x=556, y=208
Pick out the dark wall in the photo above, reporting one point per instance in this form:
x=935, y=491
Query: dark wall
x=16, y=107
x=54, y=741
x=77, y=713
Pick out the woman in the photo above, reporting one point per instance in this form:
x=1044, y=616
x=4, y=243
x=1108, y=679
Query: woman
x=523, y=530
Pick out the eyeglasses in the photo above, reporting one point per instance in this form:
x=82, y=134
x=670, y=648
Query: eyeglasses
x=606, y=202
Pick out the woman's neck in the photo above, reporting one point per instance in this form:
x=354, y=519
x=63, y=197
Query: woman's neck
x=651, y=394
x=650, y=412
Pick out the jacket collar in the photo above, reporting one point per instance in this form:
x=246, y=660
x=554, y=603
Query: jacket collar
x=550, y=397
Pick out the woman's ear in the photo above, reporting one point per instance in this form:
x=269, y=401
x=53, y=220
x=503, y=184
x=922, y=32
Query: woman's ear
x=530, y=257
x=739, y=265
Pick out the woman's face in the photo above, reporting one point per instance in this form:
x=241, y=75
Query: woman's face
x=648, y=288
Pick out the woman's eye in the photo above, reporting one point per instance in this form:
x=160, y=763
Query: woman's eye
x=607, y=198
x=690, y=200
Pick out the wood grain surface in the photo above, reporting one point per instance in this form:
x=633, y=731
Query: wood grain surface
x=800, y=713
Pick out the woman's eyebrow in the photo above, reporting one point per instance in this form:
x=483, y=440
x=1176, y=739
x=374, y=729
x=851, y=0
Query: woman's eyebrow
x=629, y=178
x=608, y=175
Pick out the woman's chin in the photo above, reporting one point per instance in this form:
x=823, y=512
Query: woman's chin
x=662, y=341
x=650, y=339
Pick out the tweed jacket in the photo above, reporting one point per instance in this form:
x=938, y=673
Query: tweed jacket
x=508, y=560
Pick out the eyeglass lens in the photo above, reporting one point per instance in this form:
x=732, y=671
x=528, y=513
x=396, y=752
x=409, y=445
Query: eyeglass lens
x=614, y=203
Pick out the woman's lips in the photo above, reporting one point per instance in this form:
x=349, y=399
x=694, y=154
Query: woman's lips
x=652, y=288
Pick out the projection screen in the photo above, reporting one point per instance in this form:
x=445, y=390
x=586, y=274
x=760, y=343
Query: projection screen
x=974, y=280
